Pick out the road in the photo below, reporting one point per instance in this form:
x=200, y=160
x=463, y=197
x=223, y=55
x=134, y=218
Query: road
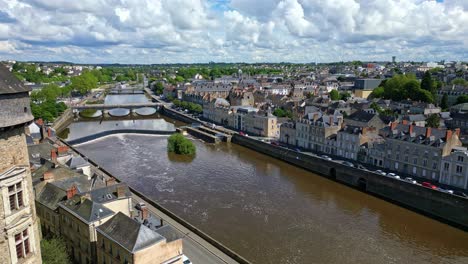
x=195, y=248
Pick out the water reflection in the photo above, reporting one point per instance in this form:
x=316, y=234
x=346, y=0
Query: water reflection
x=180, y=158
x=145, y=111
x=119, y=112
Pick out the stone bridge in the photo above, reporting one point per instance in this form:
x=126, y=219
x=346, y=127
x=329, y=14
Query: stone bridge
x=129, y=106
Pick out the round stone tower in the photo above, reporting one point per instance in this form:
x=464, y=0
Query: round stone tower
x=19, y=242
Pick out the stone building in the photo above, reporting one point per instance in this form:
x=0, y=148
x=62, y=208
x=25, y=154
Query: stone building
x=314, y=132
x=454, y=168
x=19, y=242
x=124, y=240
x=417, y=151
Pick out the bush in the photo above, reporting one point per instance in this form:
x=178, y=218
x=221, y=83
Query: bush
x=53, y=251
x=179, y=144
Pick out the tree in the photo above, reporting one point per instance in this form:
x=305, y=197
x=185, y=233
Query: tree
x=444, y=102
x=462, y=99
x=427, y=83
x=334, y=95
x=158, y=88
x=54, y=251
x=460, y=81
x=377, y=92
x=179, y=144
x=433, y=121
x=345, y=96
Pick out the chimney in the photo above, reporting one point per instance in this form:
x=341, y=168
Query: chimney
x=364, y=131
x=121, y=191
x=457, y=131
x=315, y=117
x=110, y=181
x=405, y=122
x=71, y=192
x=49, y=132
x=411, y=129
x=393, y=125
x=62, y=149
x=53, y=155
x=144, y=213
x=43, y=132
x=331, y=120
x=428, y=132
x=48, y=176
x=448, y=135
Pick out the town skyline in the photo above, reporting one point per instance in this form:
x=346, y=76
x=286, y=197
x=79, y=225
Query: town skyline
x=165, y=32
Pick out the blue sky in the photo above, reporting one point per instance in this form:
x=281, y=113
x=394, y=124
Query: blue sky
x=187, y=31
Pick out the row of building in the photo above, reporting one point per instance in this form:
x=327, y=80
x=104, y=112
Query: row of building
x=47, y=190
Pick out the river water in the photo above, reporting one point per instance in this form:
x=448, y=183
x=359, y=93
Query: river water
x=272, y=212
x=267, y=210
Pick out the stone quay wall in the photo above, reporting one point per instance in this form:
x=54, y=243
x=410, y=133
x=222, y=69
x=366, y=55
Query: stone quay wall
x=63, y=121
x=441, y=206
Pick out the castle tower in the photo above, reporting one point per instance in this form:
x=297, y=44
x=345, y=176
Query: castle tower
x=19, y=241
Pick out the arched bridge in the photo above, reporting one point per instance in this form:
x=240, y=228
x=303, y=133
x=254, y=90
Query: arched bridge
x=130, y=106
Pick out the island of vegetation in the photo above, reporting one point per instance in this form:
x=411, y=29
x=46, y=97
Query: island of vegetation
x=179, y=144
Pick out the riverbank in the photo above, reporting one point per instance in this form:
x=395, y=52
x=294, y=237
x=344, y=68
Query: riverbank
x=441, y=206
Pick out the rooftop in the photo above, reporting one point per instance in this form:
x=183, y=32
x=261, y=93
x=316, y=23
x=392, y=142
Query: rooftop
x=128, y=233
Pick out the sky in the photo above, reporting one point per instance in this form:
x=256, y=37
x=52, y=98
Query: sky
x=200, y=31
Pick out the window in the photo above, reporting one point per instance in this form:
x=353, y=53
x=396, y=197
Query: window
x=425, y=162
x=460, y=158
x=15, y=193
x=459, y=169
x=22, y=244
x=446, y=166
x=415, y=161
x=434, y=165
x=414, y=170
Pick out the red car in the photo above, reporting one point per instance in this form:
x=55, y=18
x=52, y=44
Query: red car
x=242, y=133
x=429, y=185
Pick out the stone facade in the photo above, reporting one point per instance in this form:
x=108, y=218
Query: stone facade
x=454, y=169
x=18, y=214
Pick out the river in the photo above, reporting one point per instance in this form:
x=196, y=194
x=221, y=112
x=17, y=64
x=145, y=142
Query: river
x=272, y=212
x=267, y=210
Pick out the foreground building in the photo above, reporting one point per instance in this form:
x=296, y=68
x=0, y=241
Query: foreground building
x=19, y=242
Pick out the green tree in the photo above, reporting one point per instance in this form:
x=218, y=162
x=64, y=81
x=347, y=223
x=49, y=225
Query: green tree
x=377, y=92
x=460, y=81
x=427, y=83
x=54, y=251
x=158, y=88
x=334, y=95
x=179, y=144
x=444, y=102
x=345, y=96
x=433, y=121
x=462, y=99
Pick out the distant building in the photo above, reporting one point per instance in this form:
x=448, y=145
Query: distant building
x=364, y=87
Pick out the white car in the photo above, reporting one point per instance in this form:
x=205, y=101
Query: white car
x=186, y=260
x=391, y=174
x=381, y=172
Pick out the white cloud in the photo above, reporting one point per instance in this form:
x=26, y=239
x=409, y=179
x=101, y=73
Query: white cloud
x=153, y=31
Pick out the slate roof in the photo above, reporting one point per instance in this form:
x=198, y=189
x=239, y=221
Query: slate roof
x=76, y=162
x=169, y=233
x=128, y=233
x=401, y=132
x=9, y=84
x=360, y=116
x=51, y=195
x=86, y=210
x=38, y=151
x=108, y=193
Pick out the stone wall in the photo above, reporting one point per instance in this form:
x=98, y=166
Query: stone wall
x=64, y=120
x=439, y=205
x=13, y=150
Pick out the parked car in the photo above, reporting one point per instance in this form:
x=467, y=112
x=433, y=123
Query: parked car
x=359, y=166
x=347, y=163
x=408, y=179
x=326, y=157
x=445, y=191
x=429, y=185
x=186, y=260
x=381, y=172
x=297, y=150
x=274, y=143
x=242, y=133
x=140, y=205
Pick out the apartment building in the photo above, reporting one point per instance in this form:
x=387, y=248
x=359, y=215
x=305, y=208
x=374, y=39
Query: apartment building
x=417, y=150
x=313, y=133
x=454, y=169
